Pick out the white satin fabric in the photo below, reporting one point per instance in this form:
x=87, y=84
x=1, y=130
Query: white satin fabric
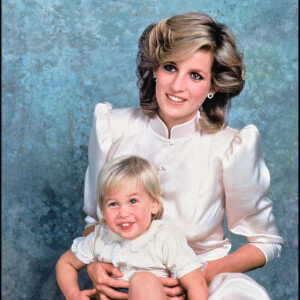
x=203, y=176
x=236, y=286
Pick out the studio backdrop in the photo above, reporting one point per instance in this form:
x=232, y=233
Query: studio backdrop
x=61, y=57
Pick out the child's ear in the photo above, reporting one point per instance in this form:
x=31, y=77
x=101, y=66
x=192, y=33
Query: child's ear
x=102, y=213
x=155, y=206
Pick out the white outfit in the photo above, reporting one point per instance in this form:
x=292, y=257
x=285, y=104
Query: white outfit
x=203, y=176
x=161, y=251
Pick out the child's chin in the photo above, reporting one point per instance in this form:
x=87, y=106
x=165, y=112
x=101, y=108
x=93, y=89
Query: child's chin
x=129, y=236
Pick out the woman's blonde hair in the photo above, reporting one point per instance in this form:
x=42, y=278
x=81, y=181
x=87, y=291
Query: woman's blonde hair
x=133, y=167
x=178, y=38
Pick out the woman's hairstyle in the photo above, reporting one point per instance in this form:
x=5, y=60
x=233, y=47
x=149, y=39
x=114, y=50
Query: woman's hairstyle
x=133, y=167
x=179, y=37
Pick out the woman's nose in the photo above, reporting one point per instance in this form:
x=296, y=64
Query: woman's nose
x=178, y=83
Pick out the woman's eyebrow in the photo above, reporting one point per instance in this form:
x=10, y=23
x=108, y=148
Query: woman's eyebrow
x=169, y=62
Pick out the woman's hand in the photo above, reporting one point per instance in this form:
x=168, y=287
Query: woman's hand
x=82, y=295
x=173, y=288
x=100, y=274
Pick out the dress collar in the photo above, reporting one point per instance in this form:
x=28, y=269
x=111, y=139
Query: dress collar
x=179, y=131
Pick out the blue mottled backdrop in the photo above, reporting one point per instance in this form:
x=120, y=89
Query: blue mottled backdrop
x=61, y=57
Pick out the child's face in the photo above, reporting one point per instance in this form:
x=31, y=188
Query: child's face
x=128, y=208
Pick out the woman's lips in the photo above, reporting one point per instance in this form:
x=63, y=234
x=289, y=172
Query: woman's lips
x=175, y=98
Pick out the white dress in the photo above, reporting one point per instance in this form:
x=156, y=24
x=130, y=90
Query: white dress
x=203, y=176
x=161, y=251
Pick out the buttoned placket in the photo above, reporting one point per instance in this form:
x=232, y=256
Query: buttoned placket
x=169, y=143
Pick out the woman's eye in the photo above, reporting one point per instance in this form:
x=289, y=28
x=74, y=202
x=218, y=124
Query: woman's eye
x=133, y=201
x=196, y=76
x=112, y=204
x=170, y=68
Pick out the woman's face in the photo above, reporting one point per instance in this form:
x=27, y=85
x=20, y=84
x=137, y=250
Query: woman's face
x=182, y=86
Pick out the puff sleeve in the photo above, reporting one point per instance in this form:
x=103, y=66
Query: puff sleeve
x=99, y=144
x=246, y=181
x=84, y=247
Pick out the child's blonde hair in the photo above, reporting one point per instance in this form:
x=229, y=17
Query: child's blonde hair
x=136, y=168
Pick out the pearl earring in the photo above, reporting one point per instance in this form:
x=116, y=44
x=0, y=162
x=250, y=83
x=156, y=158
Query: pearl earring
x=154, y=78
x=210, y=95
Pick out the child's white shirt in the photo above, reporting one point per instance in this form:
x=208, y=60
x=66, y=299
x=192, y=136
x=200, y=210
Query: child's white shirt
x=162, y=250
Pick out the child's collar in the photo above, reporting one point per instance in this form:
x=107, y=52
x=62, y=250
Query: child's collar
x=135, y=244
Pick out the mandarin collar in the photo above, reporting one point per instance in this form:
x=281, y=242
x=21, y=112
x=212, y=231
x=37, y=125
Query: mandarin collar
x=179, y=131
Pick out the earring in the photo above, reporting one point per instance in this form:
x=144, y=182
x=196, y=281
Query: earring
x=210, y=95
x=154, y=78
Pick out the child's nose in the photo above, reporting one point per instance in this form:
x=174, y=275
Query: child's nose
x=124, y=211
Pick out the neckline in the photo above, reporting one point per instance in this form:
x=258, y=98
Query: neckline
x=178, y=131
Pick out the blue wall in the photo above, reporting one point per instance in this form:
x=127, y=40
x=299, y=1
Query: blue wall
x=61, y=57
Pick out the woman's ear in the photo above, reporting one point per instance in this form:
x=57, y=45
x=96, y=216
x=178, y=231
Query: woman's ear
x=213, y=89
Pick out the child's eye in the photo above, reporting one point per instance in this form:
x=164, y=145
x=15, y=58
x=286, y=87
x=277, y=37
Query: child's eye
x=196, y=76
x=112, y=204
x=133, y=201
x=170, y=68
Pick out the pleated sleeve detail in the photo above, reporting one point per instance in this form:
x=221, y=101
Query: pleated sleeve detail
x=99, y=144
x=246, y=181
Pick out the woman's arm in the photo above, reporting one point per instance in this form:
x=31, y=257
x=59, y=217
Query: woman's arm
x=86, y=231
x=67, y=269
x=194, y=283
x=244, y=259
x=246, y=182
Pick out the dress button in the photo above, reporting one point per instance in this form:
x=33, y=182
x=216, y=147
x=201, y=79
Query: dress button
x=170, y=142
x=164, y=168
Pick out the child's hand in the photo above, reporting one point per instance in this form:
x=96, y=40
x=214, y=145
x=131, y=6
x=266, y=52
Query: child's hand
x=83, y=295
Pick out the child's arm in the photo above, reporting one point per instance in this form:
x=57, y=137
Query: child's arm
x=195, y=284
x=67, y=269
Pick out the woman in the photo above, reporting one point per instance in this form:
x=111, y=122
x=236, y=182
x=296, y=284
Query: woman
x=188, y=71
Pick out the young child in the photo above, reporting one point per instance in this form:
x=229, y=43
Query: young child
x=132, y=237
